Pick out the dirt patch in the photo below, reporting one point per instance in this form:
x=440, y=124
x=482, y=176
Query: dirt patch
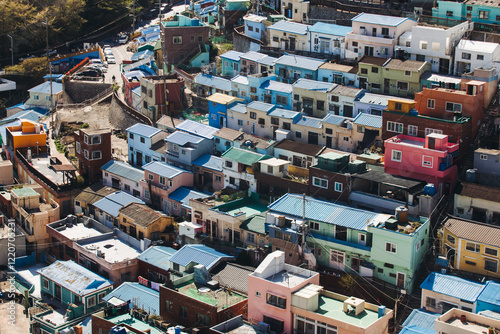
x=12, y=319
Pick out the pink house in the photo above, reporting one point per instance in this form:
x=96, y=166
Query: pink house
x=270, y=289
x=429, y=159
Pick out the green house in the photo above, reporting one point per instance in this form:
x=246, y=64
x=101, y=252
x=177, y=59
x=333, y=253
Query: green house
x=72, y=291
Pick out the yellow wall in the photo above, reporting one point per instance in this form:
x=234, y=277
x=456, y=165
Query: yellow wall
x=406, y=106
x=158, y=226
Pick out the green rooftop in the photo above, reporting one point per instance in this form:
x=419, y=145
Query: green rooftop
x=243, y=156
x=333, y=308
x=127, y=319
x=256, y=224
x=24, y=192
x=248, y=205
x=224, y=298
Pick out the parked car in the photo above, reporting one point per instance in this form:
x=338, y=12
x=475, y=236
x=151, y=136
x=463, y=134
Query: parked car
x=101, y=68
x=98, y=62
x=123, y=39
x=111, y=59
x=89, y=72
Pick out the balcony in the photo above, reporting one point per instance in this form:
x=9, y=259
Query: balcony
x=369, y=39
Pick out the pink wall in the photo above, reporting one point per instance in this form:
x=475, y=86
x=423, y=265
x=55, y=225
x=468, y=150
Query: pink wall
x=181, y=180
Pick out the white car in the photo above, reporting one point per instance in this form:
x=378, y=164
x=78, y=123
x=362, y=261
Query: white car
x=107, y=50
x=123, y=39
x=98, y=62
x=111, y=59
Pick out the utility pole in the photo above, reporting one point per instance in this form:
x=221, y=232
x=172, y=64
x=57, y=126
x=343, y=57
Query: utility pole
x=50, y=77
x=133, y=20
x=11, y=48
x=304, y=226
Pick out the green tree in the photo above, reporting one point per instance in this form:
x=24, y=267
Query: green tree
x=34, y=67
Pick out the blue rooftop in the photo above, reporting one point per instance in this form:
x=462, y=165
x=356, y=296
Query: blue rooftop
x=209, y=161
x=283, y=113
x=241, y=79
x=182, y=138
x=74, y=277
x=213, y=81
x=413, y=329
x=490, y=293
x=277, y=86
x=313, y=85
x=184, y=194
x=267, y=60
x=323, y=211
x=199, y=129
x=232, y=55
x=115, y=201
x=139, y=295
x=369, y=120
x=262, y=106
x=384, y=20
x=422, y=320
x=158, y=256
x=239, y=108
x=144, y=130
x=309, y=121
x=290, y=27
x=44, y=88
x=333, y=119
x=163, y=169
x=331, y=29
x=124, y=170
x=253, y=55
x=142, y=55
x=300, y=62
x=199, y=254
x=134, y=75
x=453, y=286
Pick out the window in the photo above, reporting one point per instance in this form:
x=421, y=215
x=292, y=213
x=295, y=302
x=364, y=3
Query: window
x=490, y=251
x=480, y=57
x=143, y=140
x=470, y=263
x=427, y=161
x=162, y=180
x=354, y=43
x=318, y=182
x=390, y=247
x=262, y=121
x=78, y=147
x=218, y=178
x=451, y=239
x=280, y=99
x=183, y=312
x=408, y=73
x=131, y=148
x=251, y=238
x=402, y=85
x=412, y=130
x=177, y=40
x=429, y=131
x=253, y=90
x=335, y=98
x=296, y=97
x=374, y=69
x=389, y=265
x=276, y=301
x=449, y=13
x=287, y=126
x=320, y=105
x=96, y=140
x=364, y=71
x=328, y=131
x=398, y=106
x=96, y=155
x=423, y=45
x=430, y=302
x=86, y=139
x=202, y=319
x=453, y=107
x=484, y=14
x=276, y=39
x=258, y=294
x=314, y=226
x=86, y=154
x=169, y=305
x=338, y=187
x=408, y=44
x=253, y=115
x=240, y=122
x=298, y=134
x=469, y=8
x=270, y=169
x=375, y=86
x=45, y=283
x=36, y=97
x=431, y=104
x=473, y=247
x=466, y=55
x=151, y=177
x=90, y=301
x=483, y=157
x=395, y=127
x=385, y=31
x=396, y=156
x=100, y=296
x=200, y=38
x=250, y=28
x=275, y=324
x=490, y=265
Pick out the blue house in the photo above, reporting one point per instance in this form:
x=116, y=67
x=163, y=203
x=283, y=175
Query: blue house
x=107, y=208
x=475, y=11
x=290, y=68
x=208, y=84
x=77, y=292
x=231, y=63
x=433, y=80
x=145, y=144
x=240, y=86
x=190, y=255
x=489, y=298
x=217, y=109
x=327, y=38
x=278, y=93
x=183, y=148
x=179, y=201
x=120, y=175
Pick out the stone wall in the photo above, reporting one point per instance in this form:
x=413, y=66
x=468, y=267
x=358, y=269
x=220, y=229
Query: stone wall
x=79, y=91
x=199, y=103
x=329, y=14
x=119, y=117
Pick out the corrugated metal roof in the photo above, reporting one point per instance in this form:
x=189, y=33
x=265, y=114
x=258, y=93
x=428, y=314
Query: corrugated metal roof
x=114, y=202
x=143, y=130
x=262, y=106
x=453, y=286
x=383, y=20
x=309, y=121
x=137, y=74
x=436, y=77
x=256, y=224
x=244, y=157
x=313, y=85
x=240, y=79
x=377, y=99
x=141, y=214
x=44, y=88
x=234, y=276
x=239, y=108
x=289, y=114
x=184, y=194
x=490, y=314
x=228, y=134
x=369, y=120
x=302, y=148
x=422, y=319
x=333, y=119
x=404, y=65
x=164, y=169
x=277, y=86
x=474, y=231
x=253, y=55
x=413, y=329
x=74, y=277
x=300, y=62
x=123, y=169
x=267, y=60
x=290, y=27
x=199, y=254
x=93, y=193
x=182, y=138
x=323, y=211
x=199, y=129
x=490, y=293
x=331, y=29
x=158, y=256
x=213, y=81
x=209, y=161
x=139, y=295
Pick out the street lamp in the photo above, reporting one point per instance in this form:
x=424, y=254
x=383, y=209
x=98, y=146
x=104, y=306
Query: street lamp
x=11, y=48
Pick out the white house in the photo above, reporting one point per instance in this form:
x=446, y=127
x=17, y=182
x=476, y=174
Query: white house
x=122, y=176
x=40, y=95
x=327, y=38
x=473, y=54
x=375, y=35
x=436, y=45
x=238, y=168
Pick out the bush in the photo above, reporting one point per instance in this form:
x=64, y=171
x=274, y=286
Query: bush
x=85, y=125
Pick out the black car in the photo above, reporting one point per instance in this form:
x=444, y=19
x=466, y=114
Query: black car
x=90, y=72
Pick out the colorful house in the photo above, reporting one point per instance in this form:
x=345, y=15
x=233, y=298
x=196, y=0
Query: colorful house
x=183, y=148
x=217, y=109
x=475, y=11
x=288, y=36
x=40, y=96
x=231, y=63
x=140, y=221
x=249, y=62
x=238, y=168
x=311, y=95
x=470, y=55
x=208, y=173
x=142, y=140
x=290, y=68
x=478, y=202
x=326, y=38
x=340, y=74
x=120, y=175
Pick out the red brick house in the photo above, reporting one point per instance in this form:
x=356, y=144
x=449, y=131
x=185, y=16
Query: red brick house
x=93, y=150
x=161, y=95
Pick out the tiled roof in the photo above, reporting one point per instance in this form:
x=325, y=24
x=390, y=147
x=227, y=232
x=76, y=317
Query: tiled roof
x=228, y=134
x=302, y=148
x=283, y=113
x=202, y=130
x=141, y=214
x=369, y=120
x=234, y=276
x=199, y=254
x=124, y=170
x=377, y=61
x=209, y=161
x=290, y=27
x=158, y=256
x=313, y=85
x=184, y=194
x=169, y=121
x=323, y=211
x=262, y=106
x=256, y=224
x=213, y=81
x=114, y=202
x=404, y=65
x=309, y=121
x=453, y=286
x=74, y=277
x=300, y=62
x=182, y=138
x=383, y=20
x=331, y=29
x=475, y=190
x=164, y=169
x=139, y=295
x=277, y=86
x=333, y=119
x=339, y=67
x=143, y=130
x=242, y=156
x=473, y=231
x=95, y=192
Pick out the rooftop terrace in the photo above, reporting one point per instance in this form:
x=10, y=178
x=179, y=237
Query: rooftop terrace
x=248, y=205
x=219, y=298
x=127, y=319
x=113, y=250
x=333, y=308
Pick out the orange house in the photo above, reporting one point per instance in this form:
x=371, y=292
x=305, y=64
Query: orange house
x=29, y=134
x=450, y=104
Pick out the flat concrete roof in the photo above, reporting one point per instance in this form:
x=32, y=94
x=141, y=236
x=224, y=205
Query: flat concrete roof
x=79, y=231
x=287, y=278
x=333, y=308
x=114, y=250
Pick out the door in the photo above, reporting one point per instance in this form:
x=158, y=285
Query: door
x=368, y=50
x=138, y=159
x=329, y=142
x=362, y=239
x=253, y=128
x=347, y=111
x=447, y=307
x=324, y=46
x=337, y=259
x=444, y=65
x=400, y=280
x=57, y=292
x=386, y=86
x=355, y=264
x=235, y=68
x=222, y=122
x=292, y=44
x=312, y=138
x=362, y=83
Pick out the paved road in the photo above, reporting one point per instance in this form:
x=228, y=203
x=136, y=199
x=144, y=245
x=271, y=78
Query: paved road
x=120, y=52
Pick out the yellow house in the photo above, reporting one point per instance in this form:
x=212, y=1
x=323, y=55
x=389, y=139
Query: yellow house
x=471, y=246
x=140, y=221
